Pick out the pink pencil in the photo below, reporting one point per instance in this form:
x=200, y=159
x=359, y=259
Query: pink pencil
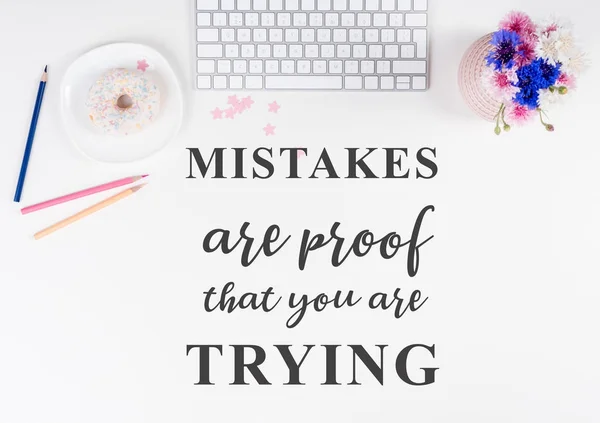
x=82, y=193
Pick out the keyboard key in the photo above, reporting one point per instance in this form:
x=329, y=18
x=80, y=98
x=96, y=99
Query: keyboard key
x=284, y=19
x=387, y=82
x=404, y=4
x=203, y=19
x=280, y=50
x=206, y=66
x=420, y=5
x=275, y=4
x=235, y=82
x=310, y=50
x=264, y=50
x=328, y=51
x=292, y=4
x=371, y=35
x=236, y=19
x=243, y=34
x=371, y=83
x=210, y=50
x=351, y=66
x=315, y=19
x=407, y=51
x=356, y=5
x=248, y=50
x=335, y=66
x=296, y=50
x=252, y=19
x=219, y=19
x=232, y=50
x=375, y=51
x=308, y=4
x=383, y=66
x=388, y=5
x=331, y=19
x=420, y=38
x=403, y=83
x=379, y=19
x=254, y=82
x=259, y=35
x=207, y=4
x=343, y=51
x=363, y=19
x=220, y=82
x=416, y=19
x=387, y=36
x=276, y=35
x=223, y=66
x=267, y=19
x=303, y=66
x=203, y=82
x=308, y=82
x=391, y=51
x=259, y=4
x=255, y=66
x=353, y=82
x=359, y=51
x=239, y=66
x=355, y=35
x=299, y=19
x=243, y=4
x=409, y=66
x=307, y=35
x=367, y=66
x=227, y=5
x=340, y=5
x=324, y=4
x=419, y=82
x=319, y=66
x=348, y=19
x=287, y=66
x=291, y=35
x=271, y=66
x=396, y=19
x=324, y=35
x=228, y=34
x=403, y=36
x=207, y=35
x=339, y=35
x=372, y=5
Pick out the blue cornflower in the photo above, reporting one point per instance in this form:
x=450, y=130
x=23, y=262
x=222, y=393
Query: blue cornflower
x=529, y=97
x=538, y=75
x=550, y=73
x=505, y=49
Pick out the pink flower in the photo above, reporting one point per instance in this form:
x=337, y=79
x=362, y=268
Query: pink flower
x=518, y=22
x=517, y=114
x=500, y=84
x=566, y=80
x=527, y=53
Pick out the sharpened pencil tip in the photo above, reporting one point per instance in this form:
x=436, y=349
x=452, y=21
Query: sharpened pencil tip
x=143, y=176
x=138, y=187
x=46, y=68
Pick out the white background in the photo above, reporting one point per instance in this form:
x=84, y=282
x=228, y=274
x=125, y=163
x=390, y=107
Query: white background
x=94, y=320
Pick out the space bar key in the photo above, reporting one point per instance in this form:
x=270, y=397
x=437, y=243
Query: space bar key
x=308, y=82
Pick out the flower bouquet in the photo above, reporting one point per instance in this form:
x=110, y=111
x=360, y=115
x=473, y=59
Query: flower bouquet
x=524, y=70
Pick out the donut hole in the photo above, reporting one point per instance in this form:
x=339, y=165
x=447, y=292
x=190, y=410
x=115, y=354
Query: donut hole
x=124, y=101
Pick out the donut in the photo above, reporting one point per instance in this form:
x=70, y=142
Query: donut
x=122, y=102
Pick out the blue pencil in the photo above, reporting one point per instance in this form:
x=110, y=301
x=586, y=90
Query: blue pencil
x=34, y=120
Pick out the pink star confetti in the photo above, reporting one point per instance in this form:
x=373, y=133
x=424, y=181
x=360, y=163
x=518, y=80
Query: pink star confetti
x=217, y=113
x=274, y=107
x=269, y=129
x=300, y=153
x=239, y=107
x=232, y=100
x=142, y=65
x=247, y=102
x=230, y=113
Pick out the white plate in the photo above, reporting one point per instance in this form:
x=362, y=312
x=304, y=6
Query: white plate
x=90, y=140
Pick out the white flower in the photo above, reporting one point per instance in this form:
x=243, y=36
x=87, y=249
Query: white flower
x=548, y=47
x=550, y=99
x=575, y=64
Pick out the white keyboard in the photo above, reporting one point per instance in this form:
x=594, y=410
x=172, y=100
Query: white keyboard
x=312, y=45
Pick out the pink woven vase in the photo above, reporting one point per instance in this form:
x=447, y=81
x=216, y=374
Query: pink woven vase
x=470, y=80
